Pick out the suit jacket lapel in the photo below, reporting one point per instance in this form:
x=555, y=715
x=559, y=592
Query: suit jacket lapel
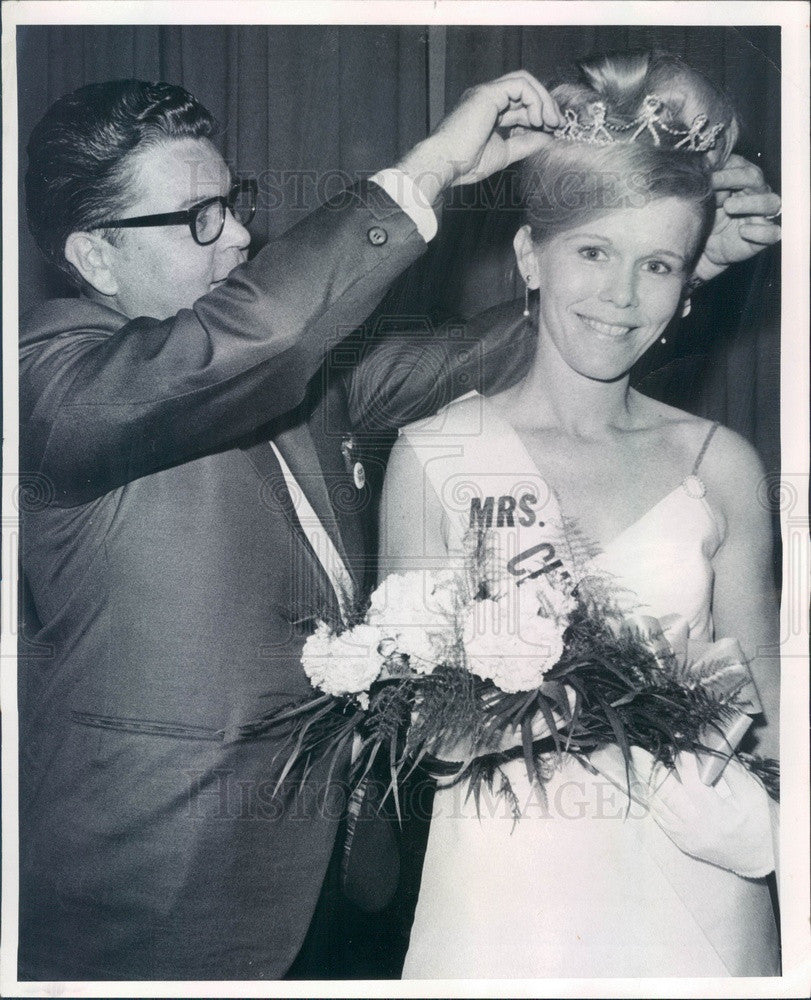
x=296, y=445
x=264, y=462
x=325, y=410
x=350, y=496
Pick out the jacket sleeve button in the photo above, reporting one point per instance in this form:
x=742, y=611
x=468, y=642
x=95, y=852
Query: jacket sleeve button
x=377, y=236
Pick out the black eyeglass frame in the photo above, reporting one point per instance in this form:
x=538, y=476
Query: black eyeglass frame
x=188, y=217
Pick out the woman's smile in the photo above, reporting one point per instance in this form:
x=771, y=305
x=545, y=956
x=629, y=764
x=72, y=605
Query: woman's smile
x=609, y=331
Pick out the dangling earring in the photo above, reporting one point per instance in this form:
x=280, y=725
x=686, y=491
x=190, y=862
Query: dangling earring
x=526, y=300
x=685, y=309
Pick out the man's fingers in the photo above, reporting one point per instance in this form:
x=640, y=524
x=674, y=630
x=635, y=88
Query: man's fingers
x=512, y=91
x=516, y=116
x=743, y=203
x=763, y=233
x=739, y=173
x=523, y=89
x=735, y=178
x=551, y=112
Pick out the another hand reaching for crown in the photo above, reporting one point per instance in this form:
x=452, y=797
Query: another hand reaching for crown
x=744, y=217
x=493, y=125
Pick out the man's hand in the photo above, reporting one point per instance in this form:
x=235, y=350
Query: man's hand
x=744, y=215
x=493, y=125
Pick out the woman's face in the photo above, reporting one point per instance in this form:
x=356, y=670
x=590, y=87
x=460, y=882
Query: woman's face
x=609, y=287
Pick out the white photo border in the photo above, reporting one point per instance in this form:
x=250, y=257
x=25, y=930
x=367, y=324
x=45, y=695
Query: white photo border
x=793, y=18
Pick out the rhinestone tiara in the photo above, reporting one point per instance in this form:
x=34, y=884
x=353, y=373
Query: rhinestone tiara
x=597, y=130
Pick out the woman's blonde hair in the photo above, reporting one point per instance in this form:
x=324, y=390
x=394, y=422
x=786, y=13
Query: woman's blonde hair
x=569, y=182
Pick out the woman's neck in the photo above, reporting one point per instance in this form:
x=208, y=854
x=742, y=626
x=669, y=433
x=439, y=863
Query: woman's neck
x=552, y=394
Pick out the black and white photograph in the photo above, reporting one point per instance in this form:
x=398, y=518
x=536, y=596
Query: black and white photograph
x=405, y=561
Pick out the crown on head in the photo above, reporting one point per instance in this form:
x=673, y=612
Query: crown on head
x=597, y=130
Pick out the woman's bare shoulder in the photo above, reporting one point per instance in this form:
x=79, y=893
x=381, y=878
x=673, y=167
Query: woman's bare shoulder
x=727, y=463
x=681, y=432
x=655, y=413
x=403, y=460
x=411, y=518
x=733, y=466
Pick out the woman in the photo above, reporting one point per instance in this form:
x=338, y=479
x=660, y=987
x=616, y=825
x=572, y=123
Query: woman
x=586, y=883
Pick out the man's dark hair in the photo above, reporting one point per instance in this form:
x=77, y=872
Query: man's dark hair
x=77, y=176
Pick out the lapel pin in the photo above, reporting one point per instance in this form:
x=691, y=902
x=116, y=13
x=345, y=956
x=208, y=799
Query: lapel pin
x=353, y=466
x=347, y=448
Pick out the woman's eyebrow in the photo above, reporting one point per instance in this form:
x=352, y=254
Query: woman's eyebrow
x=589, y=236
x=665, y=253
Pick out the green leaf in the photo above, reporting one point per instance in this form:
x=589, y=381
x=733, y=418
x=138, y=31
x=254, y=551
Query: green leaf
x=625, y=699
x=529, y=757
x=550, y=721
x=557, y=691
x=573, y=722
x=339, y=748
x=619, y=734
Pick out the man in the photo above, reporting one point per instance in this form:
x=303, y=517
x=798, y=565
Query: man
x=195, y=459
x=187, y=449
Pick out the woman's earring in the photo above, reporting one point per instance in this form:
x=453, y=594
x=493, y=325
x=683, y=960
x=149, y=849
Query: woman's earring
x=526, y=300
x=685, y=309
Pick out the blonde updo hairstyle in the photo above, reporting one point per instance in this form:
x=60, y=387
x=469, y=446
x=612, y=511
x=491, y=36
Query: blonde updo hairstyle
x=569, y=183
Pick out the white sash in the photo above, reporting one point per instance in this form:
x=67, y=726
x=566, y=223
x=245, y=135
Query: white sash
x=484, y=478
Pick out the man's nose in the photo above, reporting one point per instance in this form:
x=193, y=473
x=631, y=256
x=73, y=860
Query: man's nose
x=619, y=286
x=234, y=234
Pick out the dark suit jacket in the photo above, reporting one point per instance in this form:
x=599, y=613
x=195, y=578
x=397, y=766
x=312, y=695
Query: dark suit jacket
x=172, y=587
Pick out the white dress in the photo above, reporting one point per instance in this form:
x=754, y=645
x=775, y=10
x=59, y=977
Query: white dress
x=580, y=885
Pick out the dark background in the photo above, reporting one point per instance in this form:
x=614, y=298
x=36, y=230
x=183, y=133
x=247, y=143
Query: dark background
x=308, y=109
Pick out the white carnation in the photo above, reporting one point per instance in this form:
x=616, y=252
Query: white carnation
x=342, y=664
x=419, y=597
x=425, y=650
x=415, y=612
x=508, y=641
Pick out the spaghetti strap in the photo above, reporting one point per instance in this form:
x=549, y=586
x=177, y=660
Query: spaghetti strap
x=704, y=447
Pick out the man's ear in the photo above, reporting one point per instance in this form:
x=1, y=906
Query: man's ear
x=525, y=256
x=92, y=257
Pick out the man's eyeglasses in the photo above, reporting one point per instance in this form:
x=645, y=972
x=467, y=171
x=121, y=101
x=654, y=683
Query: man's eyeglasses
x=206, y=219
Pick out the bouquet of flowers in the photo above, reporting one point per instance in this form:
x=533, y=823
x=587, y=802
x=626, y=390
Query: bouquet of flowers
x=463, y=671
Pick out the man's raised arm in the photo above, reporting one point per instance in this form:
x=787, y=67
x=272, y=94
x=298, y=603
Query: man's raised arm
x=107, y=398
